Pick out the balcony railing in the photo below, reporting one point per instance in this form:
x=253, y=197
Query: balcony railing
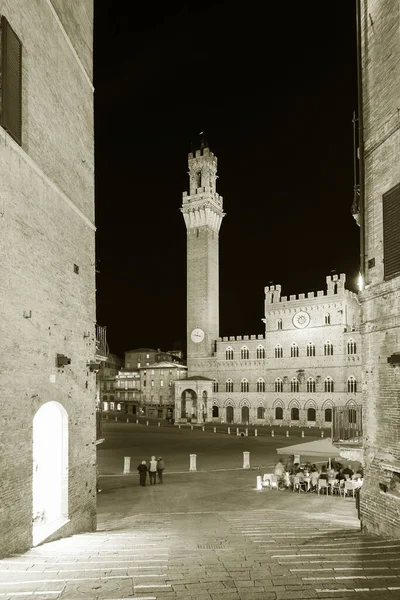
x=101, y=343
x=347, y=424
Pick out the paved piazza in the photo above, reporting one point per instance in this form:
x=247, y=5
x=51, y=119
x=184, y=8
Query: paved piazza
x=208, y=535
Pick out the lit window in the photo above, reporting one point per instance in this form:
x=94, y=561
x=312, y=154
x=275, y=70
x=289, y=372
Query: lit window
x=229, y=353
x=260, y=385
x=137, y=365
x=278, y=351
x=278, y=385
x=229, y=385
x=161, y=383
x=112, y=406
x=328, y=384
x=244, y=353
x=152, y=371
x=260, y=352
x=294, y=351
x=244, y=385
x=310, y=385
x=147, y=355
x=352, y=385
x=310, y=349
x=152, y=383
x=294, y=385
x=328, y=348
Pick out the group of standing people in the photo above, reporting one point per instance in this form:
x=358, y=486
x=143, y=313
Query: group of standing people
x=154, y=468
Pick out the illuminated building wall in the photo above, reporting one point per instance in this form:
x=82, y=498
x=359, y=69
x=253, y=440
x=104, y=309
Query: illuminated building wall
x=47, y=273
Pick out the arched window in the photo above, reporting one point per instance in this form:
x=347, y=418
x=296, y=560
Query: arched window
x=279, y=413
x=328, y=384
x=294, y=385
x=311, y=414
x=294, y=414
x=310, y=385
x=215, y=386
x=215, y=411
x=328, y=348
x=244, y=385
x=229, y=353
x=328, y=415
x=260, y=352
x=198, y=179
x=278, y=351
x=260, y=385
x=260, y=412
x=327, y=319
x=352, y=416
x=294, y=350
x=310, y=349
x=279, y=323
x=351, y=347
x=229, y=385
x=352, y=385
x=244, y=353
x=278, y=385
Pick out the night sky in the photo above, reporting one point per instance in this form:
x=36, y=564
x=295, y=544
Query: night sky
x=273, y=86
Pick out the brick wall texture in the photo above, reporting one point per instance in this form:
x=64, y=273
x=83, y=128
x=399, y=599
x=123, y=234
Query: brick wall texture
x=46, y=227
x=380, y=329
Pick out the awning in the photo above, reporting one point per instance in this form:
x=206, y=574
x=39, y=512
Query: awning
x=322, y=448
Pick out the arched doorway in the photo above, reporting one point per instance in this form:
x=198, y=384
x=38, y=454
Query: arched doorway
x=50, y=470
x=229, y=414
x=189, y=405
x=245, y=414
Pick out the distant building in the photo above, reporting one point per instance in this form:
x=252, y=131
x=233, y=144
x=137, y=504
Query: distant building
x=111, y=366
x=144, y=357
x=50, y=345
x=379, y=218
x=158, y=388
x=306, y=362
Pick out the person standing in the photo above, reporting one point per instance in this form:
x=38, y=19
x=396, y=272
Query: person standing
x=142, y=468
x=160, y=468
x=153, y=470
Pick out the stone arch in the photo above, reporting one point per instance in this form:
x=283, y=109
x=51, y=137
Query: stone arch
x=351, y=403
x=244, y=402
x=229, y=402
x=279, y=403
x=215, y=402
x=294, y=404
x=328, y=404
x=261, y=402
x=310, y=404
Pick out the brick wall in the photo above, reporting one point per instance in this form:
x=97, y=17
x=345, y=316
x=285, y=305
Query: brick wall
x=46, y=223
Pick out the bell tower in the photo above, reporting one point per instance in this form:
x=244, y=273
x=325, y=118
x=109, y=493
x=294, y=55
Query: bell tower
x=203, y=214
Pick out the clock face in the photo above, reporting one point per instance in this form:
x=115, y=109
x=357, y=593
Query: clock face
x=197, y=335
x=301, y=319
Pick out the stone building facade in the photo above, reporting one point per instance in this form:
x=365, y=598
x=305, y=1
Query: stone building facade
x=47, y=273
x=307, y=360
x=144, y=357
x=379, y=52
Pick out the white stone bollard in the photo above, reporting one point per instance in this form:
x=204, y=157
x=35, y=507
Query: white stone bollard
x=159, y=424
x=137, y=421
x=272, y=433
x=106, y=417
x=229, y=431
x=202, y=428
x=127, y=420
x=127, y=465
x=246, y=432
x=237, y=430
x=302, y=434
x=192, y=466
x=191, y=427
x=259, y=482
x=246, y=460
x=287, y=433
x=116, y=419
x=179, y=426
x=322, y=434
x=255, y=433
x=215, y=430
x=147, y=422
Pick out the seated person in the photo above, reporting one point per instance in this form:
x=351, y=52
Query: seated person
x=348, y=471
x=340, y=476
x=324, y=474
x=314, y=480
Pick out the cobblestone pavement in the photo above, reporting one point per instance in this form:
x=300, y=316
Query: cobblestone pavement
x=295, y=546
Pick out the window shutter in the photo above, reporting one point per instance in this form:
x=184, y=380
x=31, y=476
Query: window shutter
x=11, y=74
x=391, y=233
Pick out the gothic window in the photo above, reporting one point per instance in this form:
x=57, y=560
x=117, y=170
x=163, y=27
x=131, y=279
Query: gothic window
x=244, y=353
x=294, y=350
x=328, y=384
x=279, y=413
x=260, y=412
x=351, y=347
x=328, y=415
x=229, y=385
x=244, y=385
x=310, y=385
x=294, y=414
x=327, y=319
x=294, y=385
x=229, y=353
x=351, y=385
x=278, y=351
x=198, y=179
x=311, y=414
x=279, y=323
x=260, y=352
x=310, y=349
x=260, y=385
x=215, y=412
x=215, y=386
x=328, y=348
x=352, y=416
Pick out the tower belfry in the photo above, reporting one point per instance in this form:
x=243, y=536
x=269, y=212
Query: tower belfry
x=203, y=214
